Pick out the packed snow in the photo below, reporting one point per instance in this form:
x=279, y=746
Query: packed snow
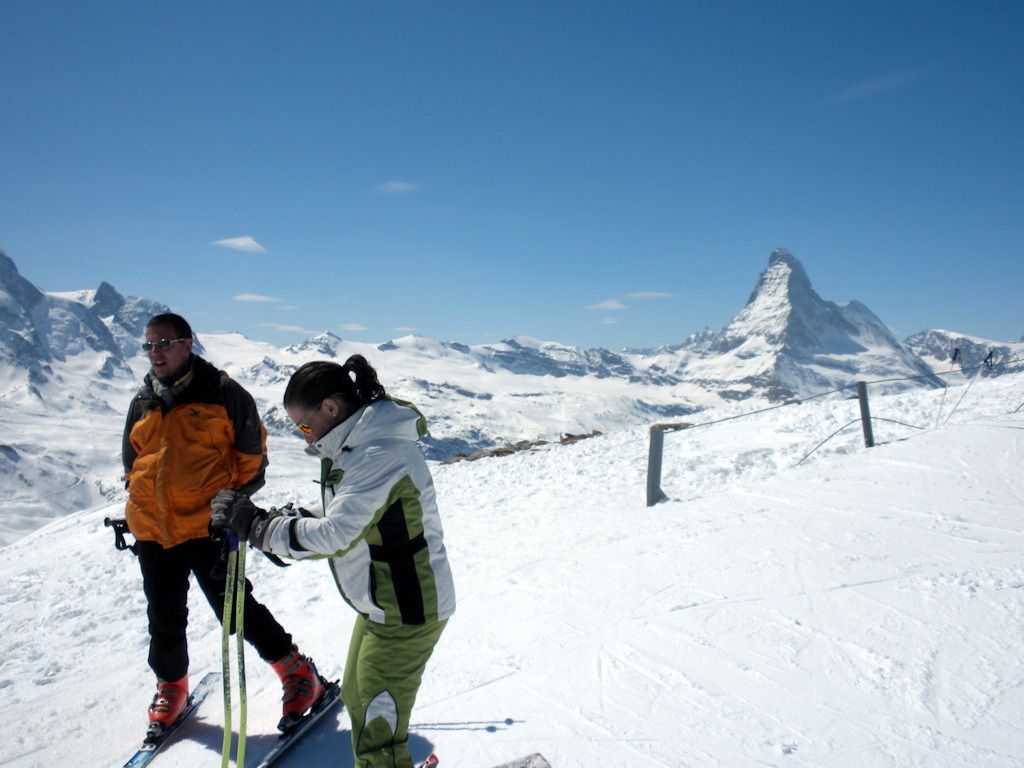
x=864, y=608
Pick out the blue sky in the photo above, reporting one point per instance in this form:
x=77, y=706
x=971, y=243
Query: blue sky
x=601, y=174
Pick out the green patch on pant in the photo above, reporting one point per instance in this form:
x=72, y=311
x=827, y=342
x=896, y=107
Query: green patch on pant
x=382, y=677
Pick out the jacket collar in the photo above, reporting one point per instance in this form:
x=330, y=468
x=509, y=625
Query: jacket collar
x=331, y=444
x=385, y=419
x=200, y=378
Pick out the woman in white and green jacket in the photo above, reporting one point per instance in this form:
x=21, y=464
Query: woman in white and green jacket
x=380, y=528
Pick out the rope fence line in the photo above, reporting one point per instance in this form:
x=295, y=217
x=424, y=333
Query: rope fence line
x=676, y=426
x=850, y=424
x=942, y=402
x=657, y=431
x=968, y=389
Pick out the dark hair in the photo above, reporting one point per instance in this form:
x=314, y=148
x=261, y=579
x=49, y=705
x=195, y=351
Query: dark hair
x=355, y=383
x=177, y=322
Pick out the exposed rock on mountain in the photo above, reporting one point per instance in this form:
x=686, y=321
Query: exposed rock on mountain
x=949, y=351
x=37, y=329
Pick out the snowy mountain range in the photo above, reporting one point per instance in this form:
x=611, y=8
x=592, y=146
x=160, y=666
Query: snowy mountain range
x=38, y=330
x=69, y=364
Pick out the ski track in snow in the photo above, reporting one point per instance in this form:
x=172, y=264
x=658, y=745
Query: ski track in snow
x=863, y=609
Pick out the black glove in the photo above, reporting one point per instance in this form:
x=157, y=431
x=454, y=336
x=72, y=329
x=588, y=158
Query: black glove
x=234, y=510
x=263, y=527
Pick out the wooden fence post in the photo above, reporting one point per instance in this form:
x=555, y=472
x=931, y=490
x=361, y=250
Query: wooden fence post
x=654, y=492
x=865, y=414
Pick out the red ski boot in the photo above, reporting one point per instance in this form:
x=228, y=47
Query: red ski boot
x=168, y=703
x=302, y=687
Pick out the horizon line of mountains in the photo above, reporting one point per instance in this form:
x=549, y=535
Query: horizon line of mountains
x=786, y=342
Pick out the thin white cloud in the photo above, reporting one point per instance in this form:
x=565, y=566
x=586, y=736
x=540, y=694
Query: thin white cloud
x=395, y=188
x=257, y=298
x=285, y=328
x=247, y=244
x=609, y=321
x=609, y=305
x=885, y=84
x=355, y=327
x=642, y=295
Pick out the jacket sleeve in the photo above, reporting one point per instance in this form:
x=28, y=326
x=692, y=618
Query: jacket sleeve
x=357, y=506
x=250, y=446
x=128, y=452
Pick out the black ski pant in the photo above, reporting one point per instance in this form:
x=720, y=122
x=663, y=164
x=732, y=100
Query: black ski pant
x=165, y=575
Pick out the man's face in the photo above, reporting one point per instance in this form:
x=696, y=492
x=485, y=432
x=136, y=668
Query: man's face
x=167, y=363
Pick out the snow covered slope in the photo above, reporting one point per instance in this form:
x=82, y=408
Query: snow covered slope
x=864, y=609
x=937, y=347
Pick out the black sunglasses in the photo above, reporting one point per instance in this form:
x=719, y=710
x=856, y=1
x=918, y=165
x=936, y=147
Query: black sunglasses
x=162, y=344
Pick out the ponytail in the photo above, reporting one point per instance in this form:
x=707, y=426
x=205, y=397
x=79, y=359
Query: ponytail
x=355, y=383
x=367, y=388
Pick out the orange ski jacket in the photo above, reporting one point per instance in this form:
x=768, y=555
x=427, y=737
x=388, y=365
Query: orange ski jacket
x=177, y=457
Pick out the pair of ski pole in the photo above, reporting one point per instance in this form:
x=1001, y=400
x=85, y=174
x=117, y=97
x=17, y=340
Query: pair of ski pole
x=234, y=601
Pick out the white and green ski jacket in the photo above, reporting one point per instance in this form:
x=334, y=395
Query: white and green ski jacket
x=379, y=523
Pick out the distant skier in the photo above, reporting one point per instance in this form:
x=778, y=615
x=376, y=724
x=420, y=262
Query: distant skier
x=192, y=431
x=380, y=526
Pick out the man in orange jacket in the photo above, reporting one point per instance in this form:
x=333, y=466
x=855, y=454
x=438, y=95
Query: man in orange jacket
x=192, y=431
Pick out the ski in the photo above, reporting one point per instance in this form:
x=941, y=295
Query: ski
x=330, y=699
x=535, y=760
x=151, y=745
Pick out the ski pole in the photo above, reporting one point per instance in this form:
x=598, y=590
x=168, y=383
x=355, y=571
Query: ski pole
x=231, y=546
x=234, y=608
x=240, y=641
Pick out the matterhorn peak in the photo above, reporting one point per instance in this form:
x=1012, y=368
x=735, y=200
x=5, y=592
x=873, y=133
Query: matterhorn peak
x=782, y=255
x=788, y=339
x=785, y=269
x=782, y=290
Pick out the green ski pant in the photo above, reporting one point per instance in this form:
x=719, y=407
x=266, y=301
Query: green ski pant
x=382, y=676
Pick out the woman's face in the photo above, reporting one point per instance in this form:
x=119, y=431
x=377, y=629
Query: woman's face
x=314, y=423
